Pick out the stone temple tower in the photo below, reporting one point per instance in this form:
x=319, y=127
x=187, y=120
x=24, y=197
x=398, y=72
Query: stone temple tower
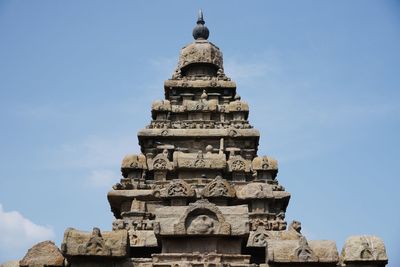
x=199, y=194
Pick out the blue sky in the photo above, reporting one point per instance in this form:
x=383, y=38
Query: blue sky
x=77, y=79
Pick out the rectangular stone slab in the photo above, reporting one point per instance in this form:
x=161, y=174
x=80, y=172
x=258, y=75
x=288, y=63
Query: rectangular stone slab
x=105, y=244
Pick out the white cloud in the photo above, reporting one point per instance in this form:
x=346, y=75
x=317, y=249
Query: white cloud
x=18, y=234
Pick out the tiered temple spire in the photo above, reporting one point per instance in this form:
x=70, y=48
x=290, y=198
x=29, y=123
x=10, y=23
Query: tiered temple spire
x=199, y=194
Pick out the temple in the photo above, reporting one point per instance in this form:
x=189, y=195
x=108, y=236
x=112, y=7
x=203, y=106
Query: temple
x=199, y=194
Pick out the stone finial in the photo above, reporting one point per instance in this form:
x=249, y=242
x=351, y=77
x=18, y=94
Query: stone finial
x=200, y=31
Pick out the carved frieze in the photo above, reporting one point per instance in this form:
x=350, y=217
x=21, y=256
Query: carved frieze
x=269, y=225
x=199, y=124
x=200, y=105
x=199, y=160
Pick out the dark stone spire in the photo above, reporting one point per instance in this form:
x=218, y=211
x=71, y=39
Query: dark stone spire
x=200, y=31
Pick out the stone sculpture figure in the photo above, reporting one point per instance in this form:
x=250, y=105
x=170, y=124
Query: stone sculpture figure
x=96, y=244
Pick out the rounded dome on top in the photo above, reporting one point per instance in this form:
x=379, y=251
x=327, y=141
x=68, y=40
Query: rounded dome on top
x=200, y=31
x=202, y=53
x=200, y=58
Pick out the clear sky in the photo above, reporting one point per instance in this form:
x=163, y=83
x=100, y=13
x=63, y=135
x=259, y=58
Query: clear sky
x=77, y=79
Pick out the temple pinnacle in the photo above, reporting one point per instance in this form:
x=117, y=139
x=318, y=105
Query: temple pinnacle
x=200, y=17
x=200, y=31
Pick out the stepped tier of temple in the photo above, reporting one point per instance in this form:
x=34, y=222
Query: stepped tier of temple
x=199, y=194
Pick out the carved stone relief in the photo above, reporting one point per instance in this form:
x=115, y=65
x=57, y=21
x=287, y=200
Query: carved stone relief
x=303, y=252
x=202, y=217
x=177, y=188
x=219, y=187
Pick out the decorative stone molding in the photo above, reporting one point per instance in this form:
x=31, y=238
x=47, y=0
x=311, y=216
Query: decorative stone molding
x=238, y=164
x=238, y=106
x=177, y=188
x=134, y=162
x=364, y=249
x=161, y=162
x=219, y=187
x=302, y=251
x=108, y=244
x=264, y=163
x=255, y=190
x=161, y=105
x=202, y=218
x=201, y=105
x=199, y=160
x=258, y=238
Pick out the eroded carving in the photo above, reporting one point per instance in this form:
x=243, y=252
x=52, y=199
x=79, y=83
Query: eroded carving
x=219, y=187
x=303, y=252
x=177, y=188
x=202, y=217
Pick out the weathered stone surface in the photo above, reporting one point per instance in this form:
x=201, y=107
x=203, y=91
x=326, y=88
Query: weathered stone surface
x=199, y=160
x=203, y=217
x=219, y=188
x=264, y=163
x=107, y=244
x=177, y=188
x=45, y=253
x=200, y=259
x=238, y=164
x=199, y=132
x=300, y=251
x=255, y=190
x=134, y=162
x=364, y=249
x=200, y=51
x=143, y=238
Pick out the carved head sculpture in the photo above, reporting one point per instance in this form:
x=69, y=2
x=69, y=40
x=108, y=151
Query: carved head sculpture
x=296, y=225
x=96, y=232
